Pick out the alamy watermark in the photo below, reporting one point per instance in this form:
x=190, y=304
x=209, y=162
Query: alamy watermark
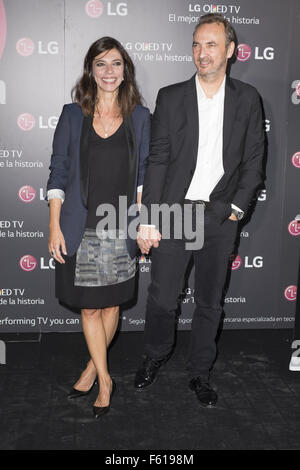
x=176, y=221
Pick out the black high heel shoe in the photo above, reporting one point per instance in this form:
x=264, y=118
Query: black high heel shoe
x=102, y=410
x=74, y=393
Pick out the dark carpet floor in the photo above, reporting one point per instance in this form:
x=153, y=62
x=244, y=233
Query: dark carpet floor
x=258, y=407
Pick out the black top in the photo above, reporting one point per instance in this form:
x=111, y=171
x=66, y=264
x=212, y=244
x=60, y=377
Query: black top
x=108, y=173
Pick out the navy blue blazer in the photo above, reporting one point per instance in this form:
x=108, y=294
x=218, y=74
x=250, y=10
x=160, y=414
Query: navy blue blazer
x=69, y=168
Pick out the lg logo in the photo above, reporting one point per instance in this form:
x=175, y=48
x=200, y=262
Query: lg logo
x=25, y=47
x=95, y=8
x=29, y=263
x=47, y=265
x=26, y=122
x=294, y=228
x=290, y=293
x=236, y=262
x=244, y=53
x=265, y=54
x=28, y=194
x=257, y=262
x=296, y=160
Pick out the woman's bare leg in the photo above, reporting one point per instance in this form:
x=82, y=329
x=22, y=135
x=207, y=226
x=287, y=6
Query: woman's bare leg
x=99, y=326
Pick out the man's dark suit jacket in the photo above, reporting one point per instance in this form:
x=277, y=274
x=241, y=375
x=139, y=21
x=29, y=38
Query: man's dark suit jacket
x=174, y=147
x=69, y=167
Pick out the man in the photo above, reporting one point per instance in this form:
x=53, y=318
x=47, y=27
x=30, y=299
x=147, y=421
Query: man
x=206, y=149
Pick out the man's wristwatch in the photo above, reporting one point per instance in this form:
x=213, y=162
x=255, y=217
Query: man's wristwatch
x=239, y=214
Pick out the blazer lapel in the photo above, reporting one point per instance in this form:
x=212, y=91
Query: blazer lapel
x=191, y=107
x=230, y=108
x=84, y=167
x=132, y=152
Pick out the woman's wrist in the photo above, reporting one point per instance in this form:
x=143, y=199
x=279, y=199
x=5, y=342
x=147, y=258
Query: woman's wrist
x=54, y=225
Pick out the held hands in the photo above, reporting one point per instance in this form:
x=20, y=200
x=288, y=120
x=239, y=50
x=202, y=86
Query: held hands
x=57, y=244
x=232, y=217
x=147, y=237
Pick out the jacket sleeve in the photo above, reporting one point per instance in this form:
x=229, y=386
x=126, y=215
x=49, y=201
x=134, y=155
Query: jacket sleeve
x=251, y=171
x=60, y=161
x=144, y=149
x=158, y=161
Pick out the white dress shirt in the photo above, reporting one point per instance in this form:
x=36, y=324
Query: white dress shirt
x=209, y=168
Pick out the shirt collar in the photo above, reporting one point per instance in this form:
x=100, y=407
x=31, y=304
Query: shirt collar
x=202, y=96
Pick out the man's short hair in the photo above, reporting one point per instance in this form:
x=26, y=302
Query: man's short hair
x=218, y=18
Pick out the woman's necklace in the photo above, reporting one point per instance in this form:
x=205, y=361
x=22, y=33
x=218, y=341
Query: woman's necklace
x=106, y=129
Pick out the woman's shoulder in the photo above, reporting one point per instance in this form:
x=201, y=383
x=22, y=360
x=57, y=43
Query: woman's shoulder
x=73, y=107
x=141, y=110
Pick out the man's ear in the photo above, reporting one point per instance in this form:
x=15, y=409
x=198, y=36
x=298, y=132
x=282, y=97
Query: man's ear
x=230, y=50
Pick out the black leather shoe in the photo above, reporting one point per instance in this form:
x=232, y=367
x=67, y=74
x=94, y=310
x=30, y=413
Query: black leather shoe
x=74, y=393
x=147, y=373
x=207, y=397
x=102, y=410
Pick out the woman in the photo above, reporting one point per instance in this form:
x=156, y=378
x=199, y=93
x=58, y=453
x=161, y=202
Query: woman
x=100, y=147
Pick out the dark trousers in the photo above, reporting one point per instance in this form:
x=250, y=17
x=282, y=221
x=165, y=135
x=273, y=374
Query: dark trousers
x=169, y=263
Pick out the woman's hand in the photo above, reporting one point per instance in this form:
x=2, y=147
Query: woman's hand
x=147, y=238
x=57, y=244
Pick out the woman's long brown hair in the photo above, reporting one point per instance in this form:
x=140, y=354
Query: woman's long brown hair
x=85, y=90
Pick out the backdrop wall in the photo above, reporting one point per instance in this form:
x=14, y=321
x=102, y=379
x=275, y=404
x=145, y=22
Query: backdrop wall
x=42, y=47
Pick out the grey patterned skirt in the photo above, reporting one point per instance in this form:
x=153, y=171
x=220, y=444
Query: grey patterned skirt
x=100, y=274
x=102, y=259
